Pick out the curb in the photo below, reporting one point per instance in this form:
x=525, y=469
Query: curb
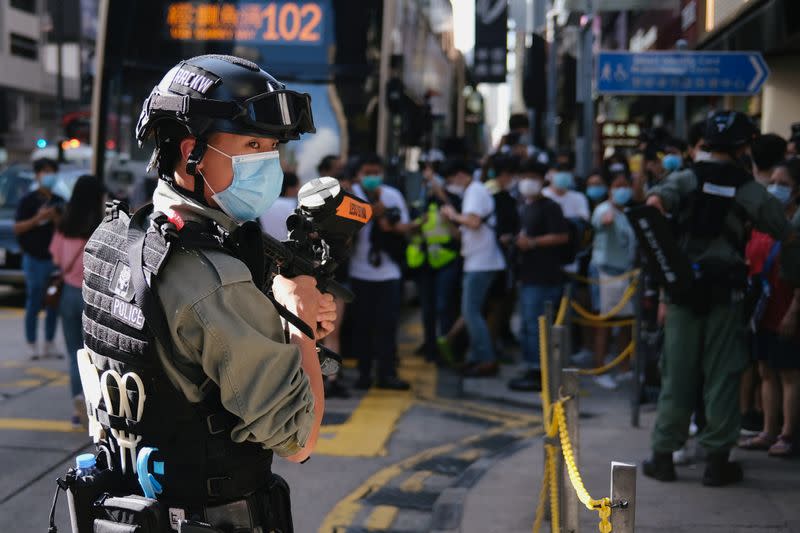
x=449, y=506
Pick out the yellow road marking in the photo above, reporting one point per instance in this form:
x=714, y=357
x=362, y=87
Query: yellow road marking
x=416, y=481
x=371, y=424
x=381, y=517
x=22, y=383
x=33, y=424
x=369, y=427
x=469, y=455
x=46, y=373
x=345, y=511
x=12, y=364
x=11, y=312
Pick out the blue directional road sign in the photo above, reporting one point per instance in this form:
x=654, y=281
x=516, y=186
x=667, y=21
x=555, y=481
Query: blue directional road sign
x=680, y=72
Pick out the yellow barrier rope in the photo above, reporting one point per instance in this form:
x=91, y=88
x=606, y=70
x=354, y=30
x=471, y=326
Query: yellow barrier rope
x=596, y=281
x=627, y=352
x=562, y=311
x=605, y=324
x=602, y=506
x=555, y=425
x=629, y=292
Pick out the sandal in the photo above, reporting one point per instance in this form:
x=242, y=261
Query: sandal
x=782, y=447
x=762, y=441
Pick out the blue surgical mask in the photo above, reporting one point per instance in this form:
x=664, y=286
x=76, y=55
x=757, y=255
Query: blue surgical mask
x=781, y=192
x=48, y=181
x=671, y=162
x=596, y=192
x=257, y=181
x=563, y=180
x=372, y=182
x=622, y=195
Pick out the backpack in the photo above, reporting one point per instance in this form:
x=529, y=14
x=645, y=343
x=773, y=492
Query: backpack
x=580, y=234
x=758, y=289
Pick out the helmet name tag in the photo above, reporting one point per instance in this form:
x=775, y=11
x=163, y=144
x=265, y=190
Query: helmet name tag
x=192, y=80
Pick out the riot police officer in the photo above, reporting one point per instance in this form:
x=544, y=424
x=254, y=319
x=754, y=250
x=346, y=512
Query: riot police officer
x=177, y=324
x=713, y=204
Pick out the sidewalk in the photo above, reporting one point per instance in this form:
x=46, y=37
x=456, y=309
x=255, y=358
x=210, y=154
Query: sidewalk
x=505, y=499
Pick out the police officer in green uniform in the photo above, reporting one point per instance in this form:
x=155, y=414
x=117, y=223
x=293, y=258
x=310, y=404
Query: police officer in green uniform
x=713, y=204
x=176, y=311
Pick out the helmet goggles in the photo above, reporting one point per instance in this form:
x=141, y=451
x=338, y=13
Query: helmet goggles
x=284, y=113
x=281, y=114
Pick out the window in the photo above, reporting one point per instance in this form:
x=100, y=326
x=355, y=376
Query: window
x=24, y=47
x=24, y=5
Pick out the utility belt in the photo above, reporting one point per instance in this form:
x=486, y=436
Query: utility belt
x=713, y=285
x=99, y=502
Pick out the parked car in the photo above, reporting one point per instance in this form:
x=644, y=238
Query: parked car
x=15, y=182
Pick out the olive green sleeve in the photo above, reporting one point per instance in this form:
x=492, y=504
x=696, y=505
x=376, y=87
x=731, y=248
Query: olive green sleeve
x=763, y=209
x=673, y=188
x=260, y=378
x=224, y=327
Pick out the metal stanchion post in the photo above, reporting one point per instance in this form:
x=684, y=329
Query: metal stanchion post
x=637, y=363
x=623, y=497
x=570, y=504
x=554, y=375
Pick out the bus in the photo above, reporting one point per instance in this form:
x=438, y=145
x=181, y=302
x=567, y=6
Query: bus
x=333, y=50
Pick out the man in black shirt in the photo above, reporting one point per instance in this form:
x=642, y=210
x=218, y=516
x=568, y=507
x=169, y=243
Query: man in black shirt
x=35, y=220
x=539, y=267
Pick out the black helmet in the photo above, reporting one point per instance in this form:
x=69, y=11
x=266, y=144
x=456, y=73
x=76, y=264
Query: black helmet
x=225, y=93
x=728, y=130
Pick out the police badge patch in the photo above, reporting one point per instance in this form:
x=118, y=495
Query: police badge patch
x=121, y=282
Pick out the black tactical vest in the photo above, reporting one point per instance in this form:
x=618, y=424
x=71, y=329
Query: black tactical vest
x=122, y=320
x=714, y=199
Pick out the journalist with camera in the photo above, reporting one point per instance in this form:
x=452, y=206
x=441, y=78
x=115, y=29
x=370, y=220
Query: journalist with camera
x=375, y=276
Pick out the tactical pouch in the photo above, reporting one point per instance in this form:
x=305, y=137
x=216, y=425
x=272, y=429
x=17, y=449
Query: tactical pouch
x=279, y=506
x=129, y=514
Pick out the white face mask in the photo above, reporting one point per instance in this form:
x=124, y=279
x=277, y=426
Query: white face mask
x=454, y=188
x=530, y=187
x=702, y=155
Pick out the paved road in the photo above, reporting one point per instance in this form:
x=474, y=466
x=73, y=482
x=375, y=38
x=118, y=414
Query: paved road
x=382, y=463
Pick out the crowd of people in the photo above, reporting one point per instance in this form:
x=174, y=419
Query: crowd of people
x=483, y=240
x=488, y=239
x=52, y=233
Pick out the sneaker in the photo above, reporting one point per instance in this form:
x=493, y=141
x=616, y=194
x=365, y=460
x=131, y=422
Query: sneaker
x=682, y=456
x=445, y=351
x=32, y=352
x=51, y=352
x=583, y=358
x=624, y=377
x=605, y=381
x=528, y=381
